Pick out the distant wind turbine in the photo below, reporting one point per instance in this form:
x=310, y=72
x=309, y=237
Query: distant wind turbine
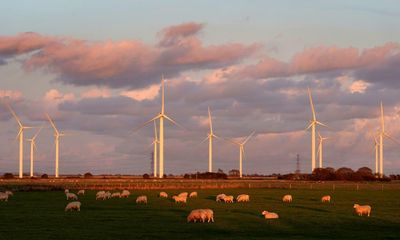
x=155, y=144
x=57, y=135
x=313, y=125
x=376, y=146
x=21, y=141
x=161, y=116
x=33, y=148
x=320, y=148
x=241, y=152
x=210, y=137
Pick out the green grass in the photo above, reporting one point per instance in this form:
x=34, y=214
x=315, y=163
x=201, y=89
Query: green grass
x=40, y=215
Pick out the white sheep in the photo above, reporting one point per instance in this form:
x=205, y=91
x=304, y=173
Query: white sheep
x=73, y=206
x=193, y=194
x=362, y=209
x=228, y=199
x=81, y=192
x=183, y=194
x=100, y=195
x=243, y=198
x=220, y=197
x=116, y=195
x=107, y=195
x=71, y=196
x=209, y=214
x=179, y=199
x=141, y=199
x=197, y=215
x=125, y=194
x=163, y=195
x=270, y=215
x=3, y=196
x=287, y=198
x=326, y=198
x=66, y=191
x=9, y=193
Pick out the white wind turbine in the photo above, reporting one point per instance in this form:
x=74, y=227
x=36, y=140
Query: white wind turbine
x=210, y=137
x=57, y=135
x=320, y=148
x=376, y=146
x=313, y=125
x=155, y=144
x=161, y=116
x=21, y=141
x=33, y=148
x=241, y=152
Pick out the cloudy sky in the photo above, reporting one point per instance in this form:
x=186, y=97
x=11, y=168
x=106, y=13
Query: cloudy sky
x=95, y=66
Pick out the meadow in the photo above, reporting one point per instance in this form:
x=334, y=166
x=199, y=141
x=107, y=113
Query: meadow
x=40, y=215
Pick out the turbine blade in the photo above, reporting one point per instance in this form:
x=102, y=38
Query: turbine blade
x=52, y=123
x=205, y=139
x=391, y=138
x=319, y=136
x=309, y=126
x=155, y=131
x=210, y=120
x=144, y=124
x=312, y=105
x=322, y=124
x=248, y=138
x=37, y=133
x=177, y=124
x=162, y=95
x=231, y=141
x=19, y=133
x=15, y=115
x=382, y=119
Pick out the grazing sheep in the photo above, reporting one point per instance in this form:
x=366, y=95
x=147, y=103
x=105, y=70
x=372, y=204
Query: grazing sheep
x=107, y=195
x=197, y=215
x=116, y=195
x=243, y=198
x=362, y=210
x=228, y=199
x=183, y=194
x=326, y=198
x=71, y=196
x=125, y=194
x=209, y=214
x=270, y=215
x=3, y=196
x=66, y=191
x=73, y=206
x=193, y=194
x=220, y=197
x=163, y=195
x=287, y=198
x=100, y=195
x=141, y=199
x=179, y=199
x=81, y=192
x=9, y=193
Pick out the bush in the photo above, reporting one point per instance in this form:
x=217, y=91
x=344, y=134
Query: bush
x=206, y=175
x=146, y=176
x=88, y=175
x=8, y=176
x=44, y=176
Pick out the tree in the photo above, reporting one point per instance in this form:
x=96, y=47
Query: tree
x=234, y=173
x=146, y=176
x=344, y=173
x=88, y=175
x=44, y=176
x=323, y=174
x=366, y=174
x=8, y=176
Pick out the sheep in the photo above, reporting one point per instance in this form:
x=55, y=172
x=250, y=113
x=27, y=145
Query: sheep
x=81, y=192
x=163, y=195
x=179, y=199
x=71, y=196
x=287, y=198
x=183, y=194
x=116, y=195
x=100, y=195
x=3, y=196
x=228, y=199
x=9, y=193
x=107, y=195
x=193, y=194
x=125, y=194
x=326, y=198
x=209, y=214
x=66, y=191
x=270, y=215
x=73, y=206
x=141, y=199
x=220, y=197
x=362, y=209
x=243, y=198
x=197, y=215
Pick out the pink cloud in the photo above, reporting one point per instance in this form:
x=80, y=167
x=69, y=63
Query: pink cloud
x=10, y=94
x=148, y=93
x=96, y=93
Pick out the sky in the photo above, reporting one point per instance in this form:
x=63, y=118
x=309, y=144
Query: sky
x=95, y=67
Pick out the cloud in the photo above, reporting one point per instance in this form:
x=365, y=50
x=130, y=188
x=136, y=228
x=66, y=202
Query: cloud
x=96, y=93
x=148, y=93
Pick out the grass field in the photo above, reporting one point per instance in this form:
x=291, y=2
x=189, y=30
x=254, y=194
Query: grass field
x=40, y=215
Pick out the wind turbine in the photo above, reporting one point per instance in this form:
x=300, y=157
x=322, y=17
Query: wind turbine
x=21, y=140
x=241, y=152
x=320, y=147
x=33, y=148
x=313, y=125
x=376, y=146
x=155, y=143
x=161, y=116
x=57, y=136
x=210, y=137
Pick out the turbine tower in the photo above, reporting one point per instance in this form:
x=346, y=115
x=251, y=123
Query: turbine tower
x=21, y=140
x=161, y=116
x=320, y=147
x=313, y=125
x=376, y=146
x=210, y=137
x=33, y=148
x=155, y=143
x=241, y=152
x=57, y=136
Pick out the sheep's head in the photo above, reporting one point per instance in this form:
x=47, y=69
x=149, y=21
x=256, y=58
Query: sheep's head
x=264, y=212
x=356, y=205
